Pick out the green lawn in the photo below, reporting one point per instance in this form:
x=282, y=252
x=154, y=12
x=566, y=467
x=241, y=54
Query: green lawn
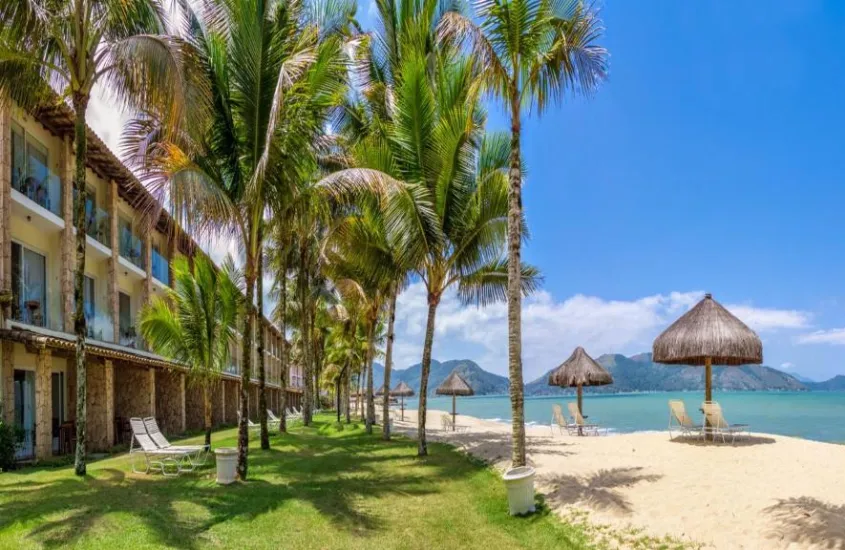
x=317, y=487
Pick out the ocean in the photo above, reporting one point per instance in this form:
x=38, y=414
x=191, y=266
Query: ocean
x=812, y=415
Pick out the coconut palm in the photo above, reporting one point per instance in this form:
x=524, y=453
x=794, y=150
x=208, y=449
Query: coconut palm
x=275, y=69
x=70, y=46
x=530, y=53
x=196, y=322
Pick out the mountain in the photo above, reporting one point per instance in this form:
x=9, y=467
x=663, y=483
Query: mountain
x=481, y=381
x=804, y=379
x=640, y=373
x=837, y=383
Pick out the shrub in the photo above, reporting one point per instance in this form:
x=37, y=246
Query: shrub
x=10, y=436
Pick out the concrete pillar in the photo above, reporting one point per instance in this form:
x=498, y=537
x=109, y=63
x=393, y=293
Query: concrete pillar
x=43, y=405
x=152, y=386
x=114, y=265
x=183, y=383
x=68, y=245
x=8, y=382
x=109, y=401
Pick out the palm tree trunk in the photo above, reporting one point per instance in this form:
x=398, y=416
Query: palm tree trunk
x=348, y=389
x=206, y=397
x=433, y=301
x=262, y=374
x=361, y=381
x=246, y=370
x=515, y=288
x=80, y=105
x=388, y=364
x=283, y=414
x=302, y=282
x=371, y=344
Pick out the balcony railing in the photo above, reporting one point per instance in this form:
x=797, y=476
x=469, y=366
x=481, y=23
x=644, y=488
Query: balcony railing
x=97, y=223
x=132, y=249
x=99, y=324
x=161, y=267
x=46, y=191
x=32, y=312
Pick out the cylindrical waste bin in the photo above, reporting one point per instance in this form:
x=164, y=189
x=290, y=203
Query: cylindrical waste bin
x=227, y=462
x=520, y=485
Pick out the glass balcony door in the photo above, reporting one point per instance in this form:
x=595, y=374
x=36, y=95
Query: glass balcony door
x=58, y=397
x=127, y=329
x=31, y=174
x=29, y=286
x=24, y=384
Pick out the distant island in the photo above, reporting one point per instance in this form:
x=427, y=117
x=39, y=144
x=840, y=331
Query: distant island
x=637, y=373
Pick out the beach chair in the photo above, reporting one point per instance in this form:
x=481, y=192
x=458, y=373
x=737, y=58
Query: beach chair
x=559, y=422
x=171, y=462
x=681, y=421
x=294, y=414
x=250, y=424
x=196, y=453
x=582, y=427
x=448, y=426
x=716, y=424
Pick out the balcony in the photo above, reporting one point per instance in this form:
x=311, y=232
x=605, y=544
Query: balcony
x=42, y=187
x=99, y=324
x=129, y=337
x=132, y=251
x=160, y=268
x=31, y=312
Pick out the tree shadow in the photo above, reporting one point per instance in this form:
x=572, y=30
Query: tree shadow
x=745, y=441
x=493, y=447
x=330, y=474
x=808, y=521
x=599, y=490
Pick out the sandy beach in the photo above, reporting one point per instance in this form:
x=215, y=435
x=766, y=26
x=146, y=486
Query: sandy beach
x=767, y=492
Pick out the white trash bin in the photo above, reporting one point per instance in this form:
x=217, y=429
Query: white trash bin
x=227, y=462
x=520, y=485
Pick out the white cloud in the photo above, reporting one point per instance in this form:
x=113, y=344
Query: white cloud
x=551, y=328
x=786, y=366
x=834, y=336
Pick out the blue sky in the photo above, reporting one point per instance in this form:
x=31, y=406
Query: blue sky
x=711, y=160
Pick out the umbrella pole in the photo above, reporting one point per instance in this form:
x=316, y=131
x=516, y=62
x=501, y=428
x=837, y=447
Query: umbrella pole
x=453, y=412
x=580, y=400
x=708, y=393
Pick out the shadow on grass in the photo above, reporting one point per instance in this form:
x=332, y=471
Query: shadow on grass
x=807, y=521
x=331, y=474
x=599, y=490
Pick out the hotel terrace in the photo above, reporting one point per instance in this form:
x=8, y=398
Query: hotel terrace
x=126, y=264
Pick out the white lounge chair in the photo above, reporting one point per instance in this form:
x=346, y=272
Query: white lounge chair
x=197, y=453
x=581, y=426
x=559, y=422
x=448, y=425
x=169, y=461
x=716, y=424
x=681, y=421
x=250, y=424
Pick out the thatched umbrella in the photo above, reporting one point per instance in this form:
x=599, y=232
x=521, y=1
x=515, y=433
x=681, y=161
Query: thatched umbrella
x=578, y=371
x=402, y=391
x=708, y=335
x=454, y=385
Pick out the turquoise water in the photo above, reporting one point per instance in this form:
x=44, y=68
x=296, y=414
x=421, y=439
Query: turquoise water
x=811, y=415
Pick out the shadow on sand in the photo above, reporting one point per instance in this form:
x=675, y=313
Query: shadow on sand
x=807, y=521
x=744, y=441
x=599, y=490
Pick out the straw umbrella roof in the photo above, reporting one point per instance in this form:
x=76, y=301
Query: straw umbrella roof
x=580, y=370
x=380, y=391
x=454, y=385
x=708, y=331
x=402, y=390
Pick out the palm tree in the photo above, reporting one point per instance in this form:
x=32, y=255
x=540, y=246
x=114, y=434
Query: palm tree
x=70, y=46
x=274, y=70
x=196, y=322
x=530, y=53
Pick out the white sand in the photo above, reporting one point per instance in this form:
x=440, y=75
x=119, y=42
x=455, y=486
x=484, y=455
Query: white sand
x=769, y=492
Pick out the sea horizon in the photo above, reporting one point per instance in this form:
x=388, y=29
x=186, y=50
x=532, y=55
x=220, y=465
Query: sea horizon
x=813, y=415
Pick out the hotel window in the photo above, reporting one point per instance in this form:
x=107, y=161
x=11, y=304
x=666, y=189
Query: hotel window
x=29, y=285
x=127, y=331
x=30, y=171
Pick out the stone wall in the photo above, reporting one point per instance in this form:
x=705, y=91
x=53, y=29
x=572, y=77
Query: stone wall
x=194, y=408
x=100, y=408
x=232, y=394
x=132, y=392
x=7, y=379
x=217, y=407
x=43, y=405
x=169, y=401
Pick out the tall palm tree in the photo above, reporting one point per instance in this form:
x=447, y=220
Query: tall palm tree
x=196, y=322
x=531, y=53
x=449, y=217
x=69, y=46
x=274, y=69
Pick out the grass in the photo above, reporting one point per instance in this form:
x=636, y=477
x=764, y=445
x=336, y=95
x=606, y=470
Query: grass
x=326, y=486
